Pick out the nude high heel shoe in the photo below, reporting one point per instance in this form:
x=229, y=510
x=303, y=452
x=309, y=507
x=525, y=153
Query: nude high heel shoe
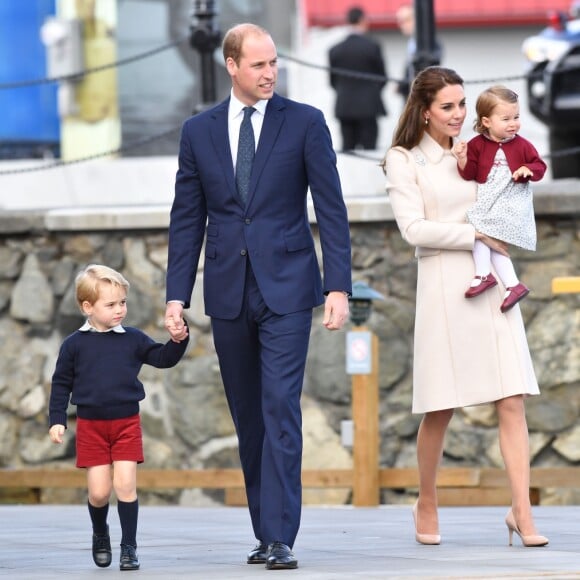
x=426, y=539
x=534, y=541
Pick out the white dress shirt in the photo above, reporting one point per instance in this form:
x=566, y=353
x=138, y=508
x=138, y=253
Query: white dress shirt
x=235, y=116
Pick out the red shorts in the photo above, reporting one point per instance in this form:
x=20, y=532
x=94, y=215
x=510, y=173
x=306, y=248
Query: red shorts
x=100, y=442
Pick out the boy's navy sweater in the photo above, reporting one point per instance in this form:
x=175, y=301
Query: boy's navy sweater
x=98, y=372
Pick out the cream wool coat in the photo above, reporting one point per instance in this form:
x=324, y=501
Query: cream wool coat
x=466, y=351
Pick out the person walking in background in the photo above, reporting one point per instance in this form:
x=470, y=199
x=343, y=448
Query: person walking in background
x=97, y=370
x=464, y=353
x=405, y=17
x=502, y=163
x=358, y=101
x=245, y=169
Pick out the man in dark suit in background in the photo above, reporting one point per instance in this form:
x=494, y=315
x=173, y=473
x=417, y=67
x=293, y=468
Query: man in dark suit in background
x=406, y=22
x=358, y=101
x=261, y=274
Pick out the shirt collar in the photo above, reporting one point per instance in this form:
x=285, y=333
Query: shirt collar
x=506, y=140
x=87, y=327
x=236, y=106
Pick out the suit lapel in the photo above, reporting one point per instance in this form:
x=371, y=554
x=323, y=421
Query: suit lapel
x=221, y=141
x=273, y=120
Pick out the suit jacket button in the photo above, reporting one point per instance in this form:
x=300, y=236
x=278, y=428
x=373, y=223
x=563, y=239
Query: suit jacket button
x=244, y=252
x=247, y=221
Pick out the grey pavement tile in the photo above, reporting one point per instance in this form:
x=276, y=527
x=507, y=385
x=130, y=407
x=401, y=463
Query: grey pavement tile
x=334, y=543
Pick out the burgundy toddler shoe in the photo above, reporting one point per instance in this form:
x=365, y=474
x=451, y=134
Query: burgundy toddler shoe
x=488, y=281
x=515, y=294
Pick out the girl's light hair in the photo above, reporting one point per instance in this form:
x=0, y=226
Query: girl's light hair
x=488, y=100
x=87, y=282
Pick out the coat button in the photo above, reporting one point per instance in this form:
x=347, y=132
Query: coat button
x=243, y=252
x=247, y=221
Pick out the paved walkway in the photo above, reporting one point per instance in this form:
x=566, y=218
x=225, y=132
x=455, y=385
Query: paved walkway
x=335, y=543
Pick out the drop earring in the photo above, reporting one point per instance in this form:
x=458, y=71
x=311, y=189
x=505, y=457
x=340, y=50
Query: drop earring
x=426, y=120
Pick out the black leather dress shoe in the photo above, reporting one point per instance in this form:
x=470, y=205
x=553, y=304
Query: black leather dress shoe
x=102, y=549
x=129, y=559
x=280, y=557
x=258, y=555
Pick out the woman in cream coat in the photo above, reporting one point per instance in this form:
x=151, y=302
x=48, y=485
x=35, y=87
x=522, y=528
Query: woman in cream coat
x=466, y=351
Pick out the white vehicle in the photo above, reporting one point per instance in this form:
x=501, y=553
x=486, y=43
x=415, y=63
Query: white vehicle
x=553, y=84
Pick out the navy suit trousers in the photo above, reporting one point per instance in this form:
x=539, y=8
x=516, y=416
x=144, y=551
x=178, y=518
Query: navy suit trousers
x=262, y=358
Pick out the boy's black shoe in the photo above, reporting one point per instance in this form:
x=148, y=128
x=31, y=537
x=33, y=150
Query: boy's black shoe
x=102, y=549
x=128, y=558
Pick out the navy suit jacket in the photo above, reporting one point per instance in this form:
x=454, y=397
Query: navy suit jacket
x=272, y=230
x=358, y=98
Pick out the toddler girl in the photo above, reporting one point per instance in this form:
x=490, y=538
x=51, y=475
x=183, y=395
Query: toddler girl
x=503, y=163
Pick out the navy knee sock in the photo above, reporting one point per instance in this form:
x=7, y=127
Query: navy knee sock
x=99, y=518
x=128, y=512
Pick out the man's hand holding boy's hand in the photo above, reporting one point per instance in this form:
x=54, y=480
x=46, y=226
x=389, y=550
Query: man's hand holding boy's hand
x=174, y=321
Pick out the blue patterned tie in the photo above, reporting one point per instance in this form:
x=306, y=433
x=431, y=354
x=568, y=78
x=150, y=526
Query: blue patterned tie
x=246, y=151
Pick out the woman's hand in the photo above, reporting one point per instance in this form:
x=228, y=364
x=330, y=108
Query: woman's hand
x=496, y=245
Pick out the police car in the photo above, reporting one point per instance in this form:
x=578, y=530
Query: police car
x=553, y=86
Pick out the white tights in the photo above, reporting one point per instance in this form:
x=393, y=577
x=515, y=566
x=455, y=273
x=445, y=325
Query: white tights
x=484, y=257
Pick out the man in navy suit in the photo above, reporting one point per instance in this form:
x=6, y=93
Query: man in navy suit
x=261, y=275
x=358, y=100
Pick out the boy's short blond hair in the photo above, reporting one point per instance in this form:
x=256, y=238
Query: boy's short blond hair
x=87, y=282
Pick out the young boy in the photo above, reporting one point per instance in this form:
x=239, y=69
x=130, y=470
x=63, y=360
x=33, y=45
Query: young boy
x=97, y=371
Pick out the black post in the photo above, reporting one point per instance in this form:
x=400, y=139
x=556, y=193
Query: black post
x=205, y=38
x=427, y=52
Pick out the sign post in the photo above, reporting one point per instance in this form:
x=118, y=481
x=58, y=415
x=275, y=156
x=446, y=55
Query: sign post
x=362, y=362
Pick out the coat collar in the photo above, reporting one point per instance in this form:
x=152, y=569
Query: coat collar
x=431, y=149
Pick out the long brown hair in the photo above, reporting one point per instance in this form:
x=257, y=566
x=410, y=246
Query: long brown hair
x=427, y=84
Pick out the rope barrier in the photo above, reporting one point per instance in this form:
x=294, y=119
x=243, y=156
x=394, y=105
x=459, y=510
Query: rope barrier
x=381, y=78
x=62, y=163
x=96, y=69
x=173, y=44
x=152, y=138
x=559, y=153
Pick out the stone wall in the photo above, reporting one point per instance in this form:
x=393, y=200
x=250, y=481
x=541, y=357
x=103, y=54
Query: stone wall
x=185, y=417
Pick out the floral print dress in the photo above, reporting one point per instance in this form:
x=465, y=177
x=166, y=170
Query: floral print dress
x=504, y=208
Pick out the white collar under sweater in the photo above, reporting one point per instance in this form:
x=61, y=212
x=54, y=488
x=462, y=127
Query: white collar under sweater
x=87, y=327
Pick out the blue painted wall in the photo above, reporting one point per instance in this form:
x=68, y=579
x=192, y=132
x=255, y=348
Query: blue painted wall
x=29, y=114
